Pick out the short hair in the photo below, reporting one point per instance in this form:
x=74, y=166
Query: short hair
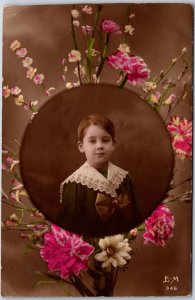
x=95, y=119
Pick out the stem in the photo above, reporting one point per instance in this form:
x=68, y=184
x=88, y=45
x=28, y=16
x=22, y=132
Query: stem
x=128, y=13
x=161, y=98
x=103, y=58
x=16, y=228
x=172, y=199
x=82, y=287
x=76, y=48
x=88, y=42
x=121, y=85
x=16, y=206
x=165, y=73
x=186, y=180
x=4, y=194
x=96, y=19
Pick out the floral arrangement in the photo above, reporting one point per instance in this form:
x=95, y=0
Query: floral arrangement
x=69, y=256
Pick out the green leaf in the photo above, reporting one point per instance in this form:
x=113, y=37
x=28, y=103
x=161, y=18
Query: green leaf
x=51, y=276
x=43, y=282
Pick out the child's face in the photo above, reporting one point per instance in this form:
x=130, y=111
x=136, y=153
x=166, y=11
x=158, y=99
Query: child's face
x=97, y=145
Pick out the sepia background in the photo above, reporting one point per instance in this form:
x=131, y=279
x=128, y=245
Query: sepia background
x=161, y=32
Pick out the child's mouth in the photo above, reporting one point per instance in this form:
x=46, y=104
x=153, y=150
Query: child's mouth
x=100, y=154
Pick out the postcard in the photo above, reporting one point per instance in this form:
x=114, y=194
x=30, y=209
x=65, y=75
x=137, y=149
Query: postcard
x=97, y=150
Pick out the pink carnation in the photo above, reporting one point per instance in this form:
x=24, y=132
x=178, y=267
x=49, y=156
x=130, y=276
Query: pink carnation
x=133, y=65
x=159, y=226
x=183, y=147
x=110, y=26
x=21, y=52
x=181, y=136
x=65, y=252
x=38, y=79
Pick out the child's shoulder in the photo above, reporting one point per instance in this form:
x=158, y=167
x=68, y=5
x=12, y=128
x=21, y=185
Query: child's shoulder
x=114, y=171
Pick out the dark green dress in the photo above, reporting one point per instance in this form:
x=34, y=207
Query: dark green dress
x=79, y=212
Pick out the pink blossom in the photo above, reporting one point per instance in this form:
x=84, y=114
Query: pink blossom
x=170, y=99
x=133, y=65
x=131, y=16
x=38, y=79
x=181, y=136
x=182, y=127
x=27, y=62
x=37, y=214
x=16, y=184
x=15, y=91
x=21, y=52
x=30, y=73
x=110, y=26
x=63, y=77
x=49, y=91
x=134, y=232
x=63, y=61
x=74, y=56
x=26, y=107
x=10, y=223
x=4, y=167
x=159, y=226
x=13, y=196
x=183, y=147
x=138, y=72
x=9, y=160
x=87, y=29
x=65, y=252
x=15, y=45
x=6, y=92
x=87, y=9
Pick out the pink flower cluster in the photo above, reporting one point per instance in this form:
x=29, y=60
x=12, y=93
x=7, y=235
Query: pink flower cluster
x=181, y=136
x=19, y=99
x=65, y=252
x=159, y=226
x=110, y=26
x=15, y=46
x=134, y=66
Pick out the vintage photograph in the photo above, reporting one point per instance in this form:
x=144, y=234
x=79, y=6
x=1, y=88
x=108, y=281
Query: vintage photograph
x=97, y=150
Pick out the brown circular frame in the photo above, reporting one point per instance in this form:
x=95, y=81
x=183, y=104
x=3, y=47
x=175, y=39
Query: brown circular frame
x=49, y=151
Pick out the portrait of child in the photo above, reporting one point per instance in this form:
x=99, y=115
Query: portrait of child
x=97, y=198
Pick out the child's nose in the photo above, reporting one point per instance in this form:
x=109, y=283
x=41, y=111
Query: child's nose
x=99, y=144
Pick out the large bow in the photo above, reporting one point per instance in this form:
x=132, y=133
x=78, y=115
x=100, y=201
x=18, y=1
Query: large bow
x=106, y=206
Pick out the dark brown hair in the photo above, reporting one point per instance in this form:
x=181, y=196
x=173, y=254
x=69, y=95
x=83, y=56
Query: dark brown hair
x=95, y=119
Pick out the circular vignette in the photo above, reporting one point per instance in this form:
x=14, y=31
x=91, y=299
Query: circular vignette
x=49, y=152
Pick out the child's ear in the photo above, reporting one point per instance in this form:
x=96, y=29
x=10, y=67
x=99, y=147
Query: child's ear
x=80, y=146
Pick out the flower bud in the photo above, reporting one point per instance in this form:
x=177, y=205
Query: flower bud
x=184, y=50
x=75, y=13
x=174, y=60
x=76, y=23
x=161, y=73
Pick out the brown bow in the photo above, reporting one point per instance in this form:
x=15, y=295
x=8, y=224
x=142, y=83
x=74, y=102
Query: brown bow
x=106, y=206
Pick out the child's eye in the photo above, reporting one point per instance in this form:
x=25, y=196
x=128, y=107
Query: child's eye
x=92, y=141
x=106, y=140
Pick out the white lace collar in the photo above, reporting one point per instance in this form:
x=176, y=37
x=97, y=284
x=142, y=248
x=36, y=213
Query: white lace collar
x=92, y=178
